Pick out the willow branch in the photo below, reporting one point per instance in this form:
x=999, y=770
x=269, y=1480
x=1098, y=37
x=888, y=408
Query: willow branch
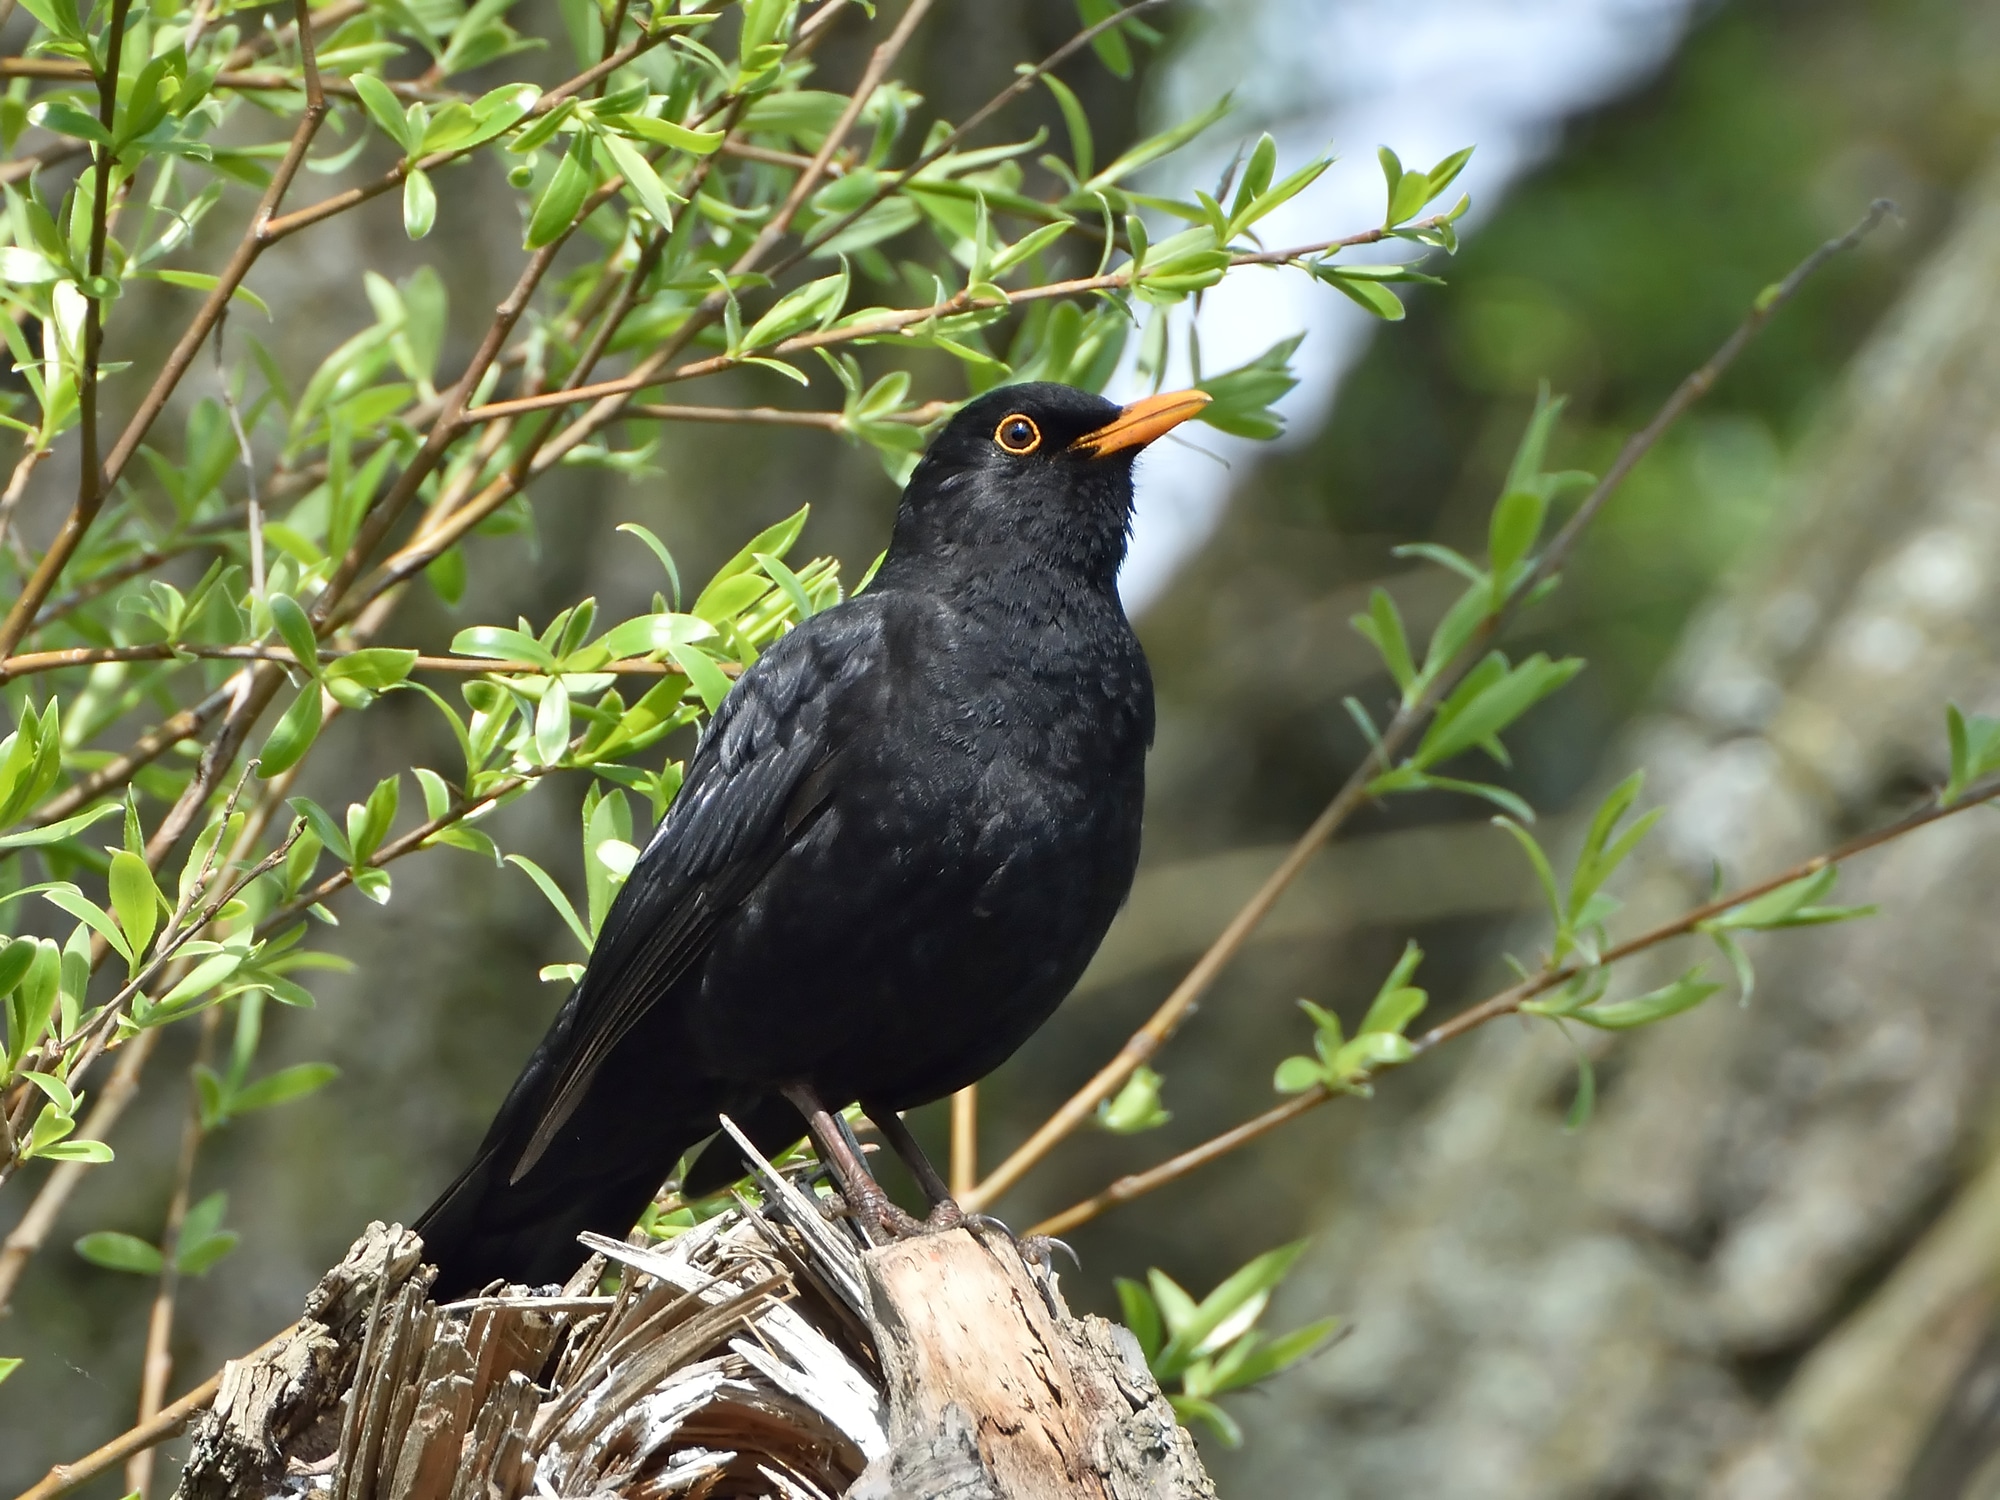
x=98, y=480
x=1503, y=1003
x=1354, y=794
x=88, y=656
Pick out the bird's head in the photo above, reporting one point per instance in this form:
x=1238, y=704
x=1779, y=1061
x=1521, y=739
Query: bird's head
x=1036, y=473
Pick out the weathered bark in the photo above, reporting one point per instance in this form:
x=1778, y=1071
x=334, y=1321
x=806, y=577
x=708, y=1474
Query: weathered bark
x=1761, y=1270
x=764, y=1353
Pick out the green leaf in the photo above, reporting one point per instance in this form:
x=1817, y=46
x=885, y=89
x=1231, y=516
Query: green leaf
x=815, y=304
x=666, y=133
x=555, y=897
x=1544, y=872
x=1297, y=1074
x=70, y=899
x=55, y=833
x=294, y=735
x=198, y=1257
x=702, y=671
x=1685, y=993
x=1378, y=299
x=560, y=200
x=373, y=667
x=1136, y=1107
x=1165, y=143
x=1382, y=627
x=1489, y=700
x=640, y=178
x=137, y=900
x=8, y=1367
x=283, y=1086
x=1082, y=148
x=1397, y=1002
x=295, y=629
x=1141, y=1316
x=121, y=1252
x=552, y=724
x=502, y=644
x=1254, y=1281
x=660, y=551
x=1975, y=751
x=205, y=976
x=786, y=579
x=420, y=204
x=1584, y=1103
x=383, y=108
x=1109, y=44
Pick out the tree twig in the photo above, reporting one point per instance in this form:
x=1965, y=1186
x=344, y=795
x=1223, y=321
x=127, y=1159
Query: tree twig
x=1353, y=794
x=1503, y=1003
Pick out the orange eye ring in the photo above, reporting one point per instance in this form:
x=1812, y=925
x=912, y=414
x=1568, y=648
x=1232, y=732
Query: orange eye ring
x=1017, y=434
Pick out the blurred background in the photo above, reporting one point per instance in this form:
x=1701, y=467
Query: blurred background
x=1767, y=1267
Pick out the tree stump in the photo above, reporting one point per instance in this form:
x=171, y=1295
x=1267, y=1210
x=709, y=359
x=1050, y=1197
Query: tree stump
x=764, y=1353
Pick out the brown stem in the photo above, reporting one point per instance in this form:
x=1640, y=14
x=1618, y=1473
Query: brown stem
x=158, y=1365
x=965, y=1139
x=1354, y=793
x=17, y=486
x=66, y=1477
x=1505, y=1002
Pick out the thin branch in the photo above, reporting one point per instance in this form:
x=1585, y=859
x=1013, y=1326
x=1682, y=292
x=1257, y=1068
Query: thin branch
x=66, y=1477
x=157, y=1367
x=1354, y=794
x=89, y=656
x=965, y=1139
x=827, y=421
x=17, y=486
x=1504, y=1003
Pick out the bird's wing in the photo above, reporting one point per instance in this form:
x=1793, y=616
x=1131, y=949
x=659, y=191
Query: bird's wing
x=762, y=773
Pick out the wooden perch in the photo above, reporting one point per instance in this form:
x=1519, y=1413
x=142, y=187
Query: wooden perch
x=765, y=1353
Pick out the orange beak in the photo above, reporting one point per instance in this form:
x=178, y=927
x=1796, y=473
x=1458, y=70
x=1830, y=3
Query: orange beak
x=1141, y=422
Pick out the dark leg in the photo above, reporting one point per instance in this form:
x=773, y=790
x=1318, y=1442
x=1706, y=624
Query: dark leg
x=866, y=1201
x=944, y=1213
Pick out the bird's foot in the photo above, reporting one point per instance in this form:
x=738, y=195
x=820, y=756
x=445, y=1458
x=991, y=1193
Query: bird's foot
x=886, y=1221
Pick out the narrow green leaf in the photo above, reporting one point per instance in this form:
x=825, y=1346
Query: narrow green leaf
x=121, y=1252
x=294, y=734
x=555, y=897
x=295, y=629
x=136, y=899
x=1684, y=993
x=420, y=204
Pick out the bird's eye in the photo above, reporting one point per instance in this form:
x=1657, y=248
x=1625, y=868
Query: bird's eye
x=1018, y=435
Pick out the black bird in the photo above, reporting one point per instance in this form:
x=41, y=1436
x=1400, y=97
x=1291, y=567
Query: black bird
x=898, y=844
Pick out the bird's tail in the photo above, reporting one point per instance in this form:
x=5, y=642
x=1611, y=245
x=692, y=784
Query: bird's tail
x=490, y=1226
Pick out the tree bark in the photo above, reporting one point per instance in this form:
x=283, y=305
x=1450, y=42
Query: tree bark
x=1762, y=1271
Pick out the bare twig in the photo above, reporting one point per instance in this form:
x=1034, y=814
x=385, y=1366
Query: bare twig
x=1503, y=1003
x=1354, y=793
x=157, y=1367
x=87, y=656
x=255, y=519
x=66, y=1477
x=965, y=1139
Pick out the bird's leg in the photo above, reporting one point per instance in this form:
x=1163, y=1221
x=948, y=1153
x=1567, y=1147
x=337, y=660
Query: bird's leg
x=944, y=1212
x=866, y=1201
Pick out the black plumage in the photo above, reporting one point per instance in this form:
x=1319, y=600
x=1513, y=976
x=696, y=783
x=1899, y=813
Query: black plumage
x=898, y=844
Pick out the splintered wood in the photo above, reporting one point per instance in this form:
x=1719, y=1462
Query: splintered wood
x=765, y=1353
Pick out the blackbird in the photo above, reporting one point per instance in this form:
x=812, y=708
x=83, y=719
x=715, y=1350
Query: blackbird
x=897, y=845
